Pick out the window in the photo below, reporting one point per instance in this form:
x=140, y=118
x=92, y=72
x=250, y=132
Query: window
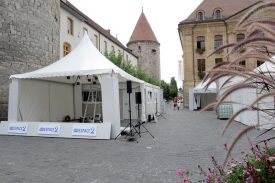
x=70, y=26
x=242, y=63
x=85, y=30
x=240, y=37
x=127, y=58
x=200, y=16
x=201, y=65
x=96, y=41
x=113, y=48
x=200, y=42
x=218, y=42
x=217, y=14
x=139, y=48
x=201, y=68
x=105, y=47
x=218, y=60
x=259, y=63
x=154, y=51
x=66, y=49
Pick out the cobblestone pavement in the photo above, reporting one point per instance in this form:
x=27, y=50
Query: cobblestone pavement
x=183, y=140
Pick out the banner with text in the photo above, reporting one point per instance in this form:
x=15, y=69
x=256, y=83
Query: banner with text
x=84, y=130
x=49, y=129
x=20, y=128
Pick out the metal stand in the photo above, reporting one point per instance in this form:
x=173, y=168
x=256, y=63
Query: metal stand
x=141, y=124
x=130, y=123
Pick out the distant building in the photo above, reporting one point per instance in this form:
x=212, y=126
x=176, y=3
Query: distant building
x=180, y=71
x=211, y=25
x=73, y=24
x=145, y=45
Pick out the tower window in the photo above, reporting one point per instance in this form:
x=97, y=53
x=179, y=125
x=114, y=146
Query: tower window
x=154, y=51
x=66, y=48
x=139, y=48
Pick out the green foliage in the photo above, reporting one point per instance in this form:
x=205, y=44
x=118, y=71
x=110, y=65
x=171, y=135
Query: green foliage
x=173, y=89
x=170, y=91
x=130, y=69
x=166, y=89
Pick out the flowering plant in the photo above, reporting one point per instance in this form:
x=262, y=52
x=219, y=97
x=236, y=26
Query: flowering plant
x=258, y=166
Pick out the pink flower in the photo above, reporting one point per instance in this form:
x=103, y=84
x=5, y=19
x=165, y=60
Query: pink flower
x=187, y=180
x=271, y=158
x=180, y=172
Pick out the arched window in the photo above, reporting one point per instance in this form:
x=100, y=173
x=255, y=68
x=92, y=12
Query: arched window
x=200, y=16
x=217, y=14
x=240, y=37
x=66, y=48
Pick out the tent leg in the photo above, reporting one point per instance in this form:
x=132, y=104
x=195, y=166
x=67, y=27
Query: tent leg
x=110, y=102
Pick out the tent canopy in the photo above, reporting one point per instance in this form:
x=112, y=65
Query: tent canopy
x=200, y=88
x=84, y=60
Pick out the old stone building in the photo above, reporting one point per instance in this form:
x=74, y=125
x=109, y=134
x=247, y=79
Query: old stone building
x=145, y=45
x=35, y=33
x=29, y=39
x=211, y=25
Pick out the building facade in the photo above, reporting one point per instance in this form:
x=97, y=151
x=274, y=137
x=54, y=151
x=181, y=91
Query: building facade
x=145, y=45
x=34, y=34
x=73, y=24
x=208, y=28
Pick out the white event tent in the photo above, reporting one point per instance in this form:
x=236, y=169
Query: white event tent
x=39, y=100
x=200, y=97
x=246, y=96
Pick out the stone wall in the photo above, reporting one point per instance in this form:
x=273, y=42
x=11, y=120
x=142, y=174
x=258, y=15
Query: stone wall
x=148, y=53
x=29, y=39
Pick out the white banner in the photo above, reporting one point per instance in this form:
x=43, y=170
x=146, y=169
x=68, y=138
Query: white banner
x=20, y=128
x=48, y=129
x=84, y=130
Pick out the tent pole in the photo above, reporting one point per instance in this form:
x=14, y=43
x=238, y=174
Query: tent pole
x=95, y=104
x=89, y=95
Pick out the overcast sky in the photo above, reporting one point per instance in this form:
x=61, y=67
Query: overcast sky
x=163, y=15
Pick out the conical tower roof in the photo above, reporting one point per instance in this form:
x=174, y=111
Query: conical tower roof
x=143, y=31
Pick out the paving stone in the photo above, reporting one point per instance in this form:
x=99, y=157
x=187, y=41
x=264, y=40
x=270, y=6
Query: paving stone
x=183, y=140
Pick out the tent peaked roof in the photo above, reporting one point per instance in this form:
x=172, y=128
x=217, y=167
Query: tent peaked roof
x=84, y=60
x=143, y=31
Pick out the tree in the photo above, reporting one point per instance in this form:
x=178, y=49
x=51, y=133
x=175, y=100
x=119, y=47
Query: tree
x=166, y=89
x=130, y=69
x=173, y=89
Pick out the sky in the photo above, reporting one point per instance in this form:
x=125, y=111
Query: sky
x=121, y=16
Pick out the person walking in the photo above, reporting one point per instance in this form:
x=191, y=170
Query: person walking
x=178, y=105
x=175, y=104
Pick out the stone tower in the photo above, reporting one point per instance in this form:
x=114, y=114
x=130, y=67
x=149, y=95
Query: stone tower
x=145, y=45
x=29, y=39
